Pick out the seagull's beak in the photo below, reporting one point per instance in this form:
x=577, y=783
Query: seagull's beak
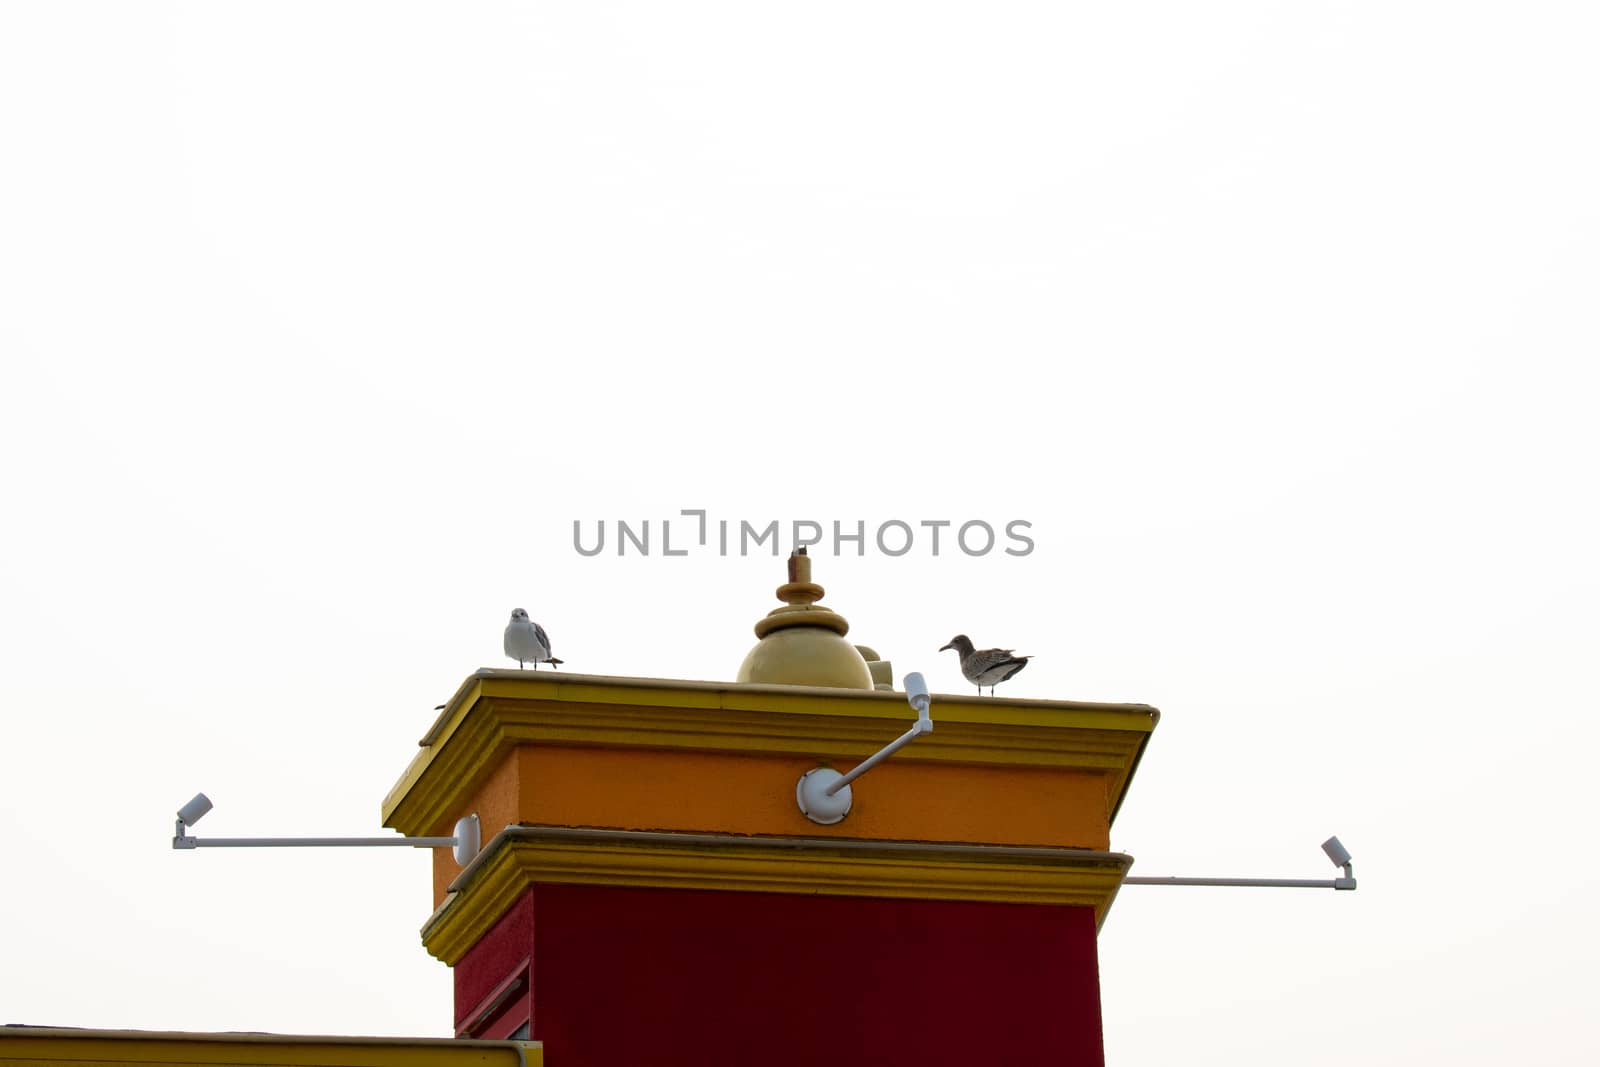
x=943, y=647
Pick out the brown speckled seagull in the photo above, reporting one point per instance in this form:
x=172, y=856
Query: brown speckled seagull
x=986, y=667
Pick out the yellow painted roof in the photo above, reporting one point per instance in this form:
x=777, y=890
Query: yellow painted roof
x=494, y=710
x=40, y=1045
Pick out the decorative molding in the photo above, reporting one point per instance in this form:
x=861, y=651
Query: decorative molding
x=522, y=856
x=118, y=1048
x=495, y=711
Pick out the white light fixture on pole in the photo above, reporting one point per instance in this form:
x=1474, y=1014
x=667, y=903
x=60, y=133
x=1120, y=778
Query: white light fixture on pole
x=464, y=845
x=1336, y=852
x=824, y=794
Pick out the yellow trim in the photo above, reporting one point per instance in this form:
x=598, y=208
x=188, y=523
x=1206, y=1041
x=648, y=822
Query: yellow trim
x=54, y=1046
x=521, y=856
x=495, y=710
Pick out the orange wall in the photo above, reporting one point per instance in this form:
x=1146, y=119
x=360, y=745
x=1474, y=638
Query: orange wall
x=645, y=789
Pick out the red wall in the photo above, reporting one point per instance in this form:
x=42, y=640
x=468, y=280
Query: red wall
x=624, y=977
x=501, y=963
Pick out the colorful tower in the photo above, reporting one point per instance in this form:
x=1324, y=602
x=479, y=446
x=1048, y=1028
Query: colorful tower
x=651, y=893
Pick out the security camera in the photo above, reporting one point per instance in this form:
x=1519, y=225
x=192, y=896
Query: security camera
x=1336, y=852
x=917, y=692
x=195, y=810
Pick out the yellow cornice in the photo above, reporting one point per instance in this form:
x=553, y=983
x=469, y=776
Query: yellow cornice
x=496, y=710
x=520, y=856
x=48, y=1045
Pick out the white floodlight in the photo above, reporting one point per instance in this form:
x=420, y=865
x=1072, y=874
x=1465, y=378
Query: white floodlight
x=824, y=794
x=917, y=694
x=464, y=844
x=195, y=810
x=1336, y=852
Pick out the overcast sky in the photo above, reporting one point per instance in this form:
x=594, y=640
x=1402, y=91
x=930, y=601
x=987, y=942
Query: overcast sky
x=322, y=323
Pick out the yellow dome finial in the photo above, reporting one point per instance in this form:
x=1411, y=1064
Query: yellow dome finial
x=803, y=643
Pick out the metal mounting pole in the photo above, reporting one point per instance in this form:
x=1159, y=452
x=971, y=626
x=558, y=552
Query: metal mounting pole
x=1332, y=847
x=182, y=842
x=465, y=843
x=1271, y=883
x=824, y=794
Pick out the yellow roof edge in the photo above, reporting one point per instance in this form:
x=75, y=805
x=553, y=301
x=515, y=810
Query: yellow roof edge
x=523, y=855
x=484, y=680
x=247, y=1037
x=829, y=709
x=449, y=717
x=1133, y=768
x=60, y=1044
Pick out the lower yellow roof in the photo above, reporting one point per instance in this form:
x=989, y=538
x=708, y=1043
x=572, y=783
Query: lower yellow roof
x=39, y=1045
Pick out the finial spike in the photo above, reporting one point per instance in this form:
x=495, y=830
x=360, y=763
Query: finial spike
x=799, y=566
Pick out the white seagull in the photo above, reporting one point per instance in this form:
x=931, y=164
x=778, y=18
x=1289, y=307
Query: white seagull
x=987, y=667
x=526, y=641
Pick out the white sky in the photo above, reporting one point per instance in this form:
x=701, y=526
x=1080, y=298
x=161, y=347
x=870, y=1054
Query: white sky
x=321, y=323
